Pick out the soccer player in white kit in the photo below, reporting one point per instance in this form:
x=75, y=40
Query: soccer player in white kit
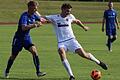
x=66, y=39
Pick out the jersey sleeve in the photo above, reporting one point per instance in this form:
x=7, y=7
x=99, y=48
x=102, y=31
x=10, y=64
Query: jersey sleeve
x=72, y=17
x=105, y=14
x=50, y=18
x=37, y=17
x=24, y=20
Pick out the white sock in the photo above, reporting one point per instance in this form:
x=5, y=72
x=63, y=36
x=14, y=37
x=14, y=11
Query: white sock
x=67, y=67
x=93, y=58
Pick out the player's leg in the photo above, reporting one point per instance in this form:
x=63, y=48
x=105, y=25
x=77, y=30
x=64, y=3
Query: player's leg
x=114, y=35
x=16, y=48
x=9, y=64
x=65, y=62
x=77, y=48
x=111, y=38
x=89, y=56
x=82, y=53
x=114, y=38
x=109, y=43
x=33, y=50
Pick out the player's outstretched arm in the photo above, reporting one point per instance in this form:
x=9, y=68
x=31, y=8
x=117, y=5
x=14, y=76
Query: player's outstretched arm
x=78, y=22
x=43, y=19
x=38, y=13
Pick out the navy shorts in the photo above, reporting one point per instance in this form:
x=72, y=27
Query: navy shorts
x=111, y=32
x=19, y=43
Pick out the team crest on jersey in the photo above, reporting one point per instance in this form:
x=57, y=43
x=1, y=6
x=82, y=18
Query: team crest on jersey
x=29, y=20
x=113, y=13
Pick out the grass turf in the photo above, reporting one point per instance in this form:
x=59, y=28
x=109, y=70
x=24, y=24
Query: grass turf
x=93, y=41
x=44, y=38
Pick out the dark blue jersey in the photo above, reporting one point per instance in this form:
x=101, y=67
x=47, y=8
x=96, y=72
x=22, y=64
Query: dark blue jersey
x=110, y=16
x=22, y=38
x=25, y=20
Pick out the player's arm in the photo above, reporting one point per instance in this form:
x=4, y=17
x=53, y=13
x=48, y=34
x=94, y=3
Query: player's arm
x=30, y=26
x=78, y=22
x=43, y=19
x=36, y=24
x=38, y=13
x=103, y=22
x=117, y=23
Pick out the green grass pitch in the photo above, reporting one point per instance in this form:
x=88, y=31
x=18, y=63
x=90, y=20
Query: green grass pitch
x=92, y=41
x=44, y=37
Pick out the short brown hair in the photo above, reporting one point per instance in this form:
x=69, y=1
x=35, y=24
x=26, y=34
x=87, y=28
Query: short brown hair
x=32, y=3
x=66, y=5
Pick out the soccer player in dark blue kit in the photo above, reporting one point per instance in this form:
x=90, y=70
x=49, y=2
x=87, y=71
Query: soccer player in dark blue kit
x=28, y=20
x=110, y=18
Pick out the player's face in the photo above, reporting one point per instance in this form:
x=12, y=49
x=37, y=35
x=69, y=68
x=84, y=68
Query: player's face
x=66, y=11
x=32, y=9
x=110, y=5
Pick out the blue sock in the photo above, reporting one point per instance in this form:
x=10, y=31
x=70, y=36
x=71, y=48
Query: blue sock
x=109, y=43
x=36, y=62
x=10, y=62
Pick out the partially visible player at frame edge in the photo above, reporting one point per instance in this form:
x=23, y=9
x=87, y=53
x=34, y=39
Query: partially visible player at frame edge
x=110, y=18
x=28, y=20
x=66, y=39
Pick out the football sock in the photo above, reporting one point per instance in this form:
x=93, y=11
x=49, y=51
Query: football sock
x=109, y=43
x=67, y=67
x=10, y=62
x=36, y=62
x=93, y=58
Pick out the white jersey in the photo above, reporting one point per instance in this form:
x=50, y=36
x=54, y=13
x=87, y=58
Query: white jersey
x=62, y=26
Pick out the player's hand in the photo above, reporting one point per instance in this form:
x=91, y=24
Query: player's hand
x=43, y=20
x=86, y=28
x=37, y=23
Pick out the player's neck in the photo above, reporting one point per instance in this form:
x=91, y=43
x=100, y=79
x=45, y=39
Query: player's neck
x=30, y=13
x=63, y=15
x=110, y=8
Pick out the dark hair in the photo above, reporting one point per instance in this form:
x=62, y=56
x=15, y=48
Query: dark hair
x=110, y=2
x=32, y=3
x=66, y=5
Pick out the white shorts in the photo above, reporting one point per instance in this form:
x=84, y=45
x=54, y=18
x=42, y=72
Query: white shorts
x=70, y=45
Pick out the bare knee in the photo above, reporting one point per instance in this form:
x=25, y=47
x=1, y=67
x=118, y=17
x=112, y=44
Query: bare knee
x=82, y=53
x=33, y=50
x=62, y=54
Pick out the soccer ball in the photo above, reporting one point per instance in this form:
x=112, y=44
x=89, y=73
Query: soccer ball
x=95, y=74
